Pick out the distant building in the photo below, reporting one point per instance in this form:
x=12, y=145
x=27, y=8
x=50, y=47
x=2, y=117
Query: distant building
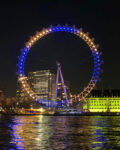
x=102, y=104
x=43, y=84
x=103, y=101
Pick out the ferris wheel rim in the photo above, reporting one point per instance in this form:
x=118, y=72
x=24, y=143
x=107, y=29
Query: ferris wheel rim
x=84, y=36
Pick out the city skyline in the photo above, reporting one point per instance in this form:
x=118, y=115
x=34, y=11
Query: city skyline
x=21, y=20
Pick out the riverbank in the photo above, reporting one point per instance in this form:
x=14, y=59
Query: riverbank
x=91, y=114
x=57, y=114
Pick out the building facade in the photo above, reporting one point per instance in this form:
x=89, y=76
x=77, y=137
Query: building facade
x=102, y=104
x=43, y=83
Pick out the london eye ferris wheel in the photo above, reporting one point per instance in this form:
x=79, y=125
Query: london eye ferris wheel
x=78, y=32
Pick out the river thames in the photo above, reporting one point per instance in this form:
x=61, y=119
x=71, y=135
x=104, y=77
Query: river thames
x=59, y=132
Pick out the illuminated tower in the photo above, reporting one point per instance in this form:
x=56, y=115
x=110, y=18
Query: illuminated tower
x=59, y=72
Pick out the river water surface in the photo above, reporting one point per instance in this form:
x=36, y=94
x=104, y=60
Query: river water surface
x=59, y=132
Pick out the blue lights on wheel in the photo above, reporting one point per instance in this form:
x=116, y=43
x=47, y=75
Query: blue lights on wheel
x=22, y=61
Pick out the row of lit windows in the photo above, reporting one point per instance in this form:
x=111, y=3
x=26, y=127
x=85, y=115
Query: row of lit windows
x=104, y=107
x=104, y=104
x=104, y=101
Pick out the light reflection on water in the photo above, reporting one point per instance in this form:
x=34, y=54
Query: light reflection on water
x=59, y=132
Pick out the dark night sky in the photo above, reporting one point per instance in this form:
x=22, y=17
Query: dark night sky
x=20, y=20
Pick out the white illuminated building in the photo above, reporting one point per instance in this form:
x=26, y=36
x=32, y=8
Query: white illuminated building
x=43, y=84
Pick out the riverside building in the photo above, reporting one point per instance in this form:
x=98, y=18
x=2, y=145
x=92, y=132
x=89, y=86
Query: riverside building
x=43, y=84
x=109, y=102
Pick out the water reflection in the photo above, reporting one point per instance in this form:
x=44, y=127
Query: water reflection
x=105, y=136
x=59, y=133
x=29, y=132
